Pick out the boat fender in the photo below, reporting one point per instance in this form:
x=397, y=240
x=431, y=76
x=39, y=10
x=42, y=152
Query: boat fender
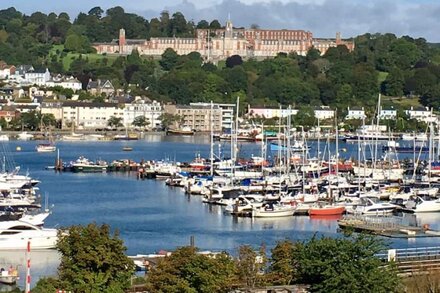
x=426, y=227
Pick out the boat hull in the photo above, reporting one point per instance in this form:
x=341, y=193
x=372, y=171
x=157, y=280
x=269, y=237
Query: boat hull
x=326, y=211
x=89, y=169
x=258, y=213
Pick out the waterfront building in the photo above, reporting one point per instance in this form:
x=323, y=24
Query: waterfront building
x=52, y=107
x=227, y=113
x=324, y=112
x=86, y=115
x=197, y=117
x=387, y=114
x=151, y=110
x=214, y=45
x=355, y=113
x=269, y=112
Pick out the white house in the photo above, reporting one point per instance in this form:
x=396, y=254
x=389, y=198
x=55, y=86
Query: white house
x=355, y=113
x=151, y=110
x=65, y=82
x=270, y=112
x=422, y=114
x=90, y=115
x=38, y=77
x=387, y=114
x=6, y=71
x=324, y=112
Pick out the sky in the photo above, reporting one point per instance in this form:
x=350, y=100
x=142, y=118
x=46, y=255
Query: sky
x=416, y=18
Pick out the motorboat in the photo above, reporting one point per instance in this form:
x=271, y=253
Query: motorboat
x=45, y=148
x=245, y=203
x=25, y=136
x=74, y=137
x=4, y=137
x=422, y=205
x=181, y=131
x=83, y=164
x=16, y=235
x=9, y=276
x=371, y=206
x=273, y=210
x=37, y=219
x=326, y=209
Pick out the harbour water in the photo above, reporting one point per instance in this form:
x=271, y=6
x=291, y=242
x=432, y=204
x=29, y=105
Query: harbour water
x=151, y=216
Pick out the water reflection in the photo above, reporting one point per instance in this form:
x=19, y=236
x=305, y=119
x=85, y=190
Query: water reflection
x=43, y=263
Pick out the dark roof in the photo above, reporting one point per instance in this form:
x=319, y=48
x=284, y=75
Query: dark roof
x=75, y=104
x=41, y=70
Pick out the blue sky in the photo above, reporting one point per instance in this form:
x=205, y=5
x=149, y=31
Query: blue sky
x=416, y=18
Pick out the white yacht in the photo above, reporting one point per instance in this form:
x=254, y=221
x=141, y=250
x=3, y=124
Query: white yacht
x=25, y=136
x=16, y=234
x=273, y=210
x=420, y=205
x=74, y=137
x=371, y=206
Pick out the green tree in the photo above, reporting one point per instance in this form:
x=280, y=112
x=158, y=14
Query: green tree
x=93, y=260
x=169, y=59
x=394, y=83
x=140, y=121
x=30, y=120
x=282, y=270
x=215, y=24
x=169, y=120
x=49, y=120
x=115, y=121
x=249, y=266
x=344, y=265
x=187, y=271
x=45, y=285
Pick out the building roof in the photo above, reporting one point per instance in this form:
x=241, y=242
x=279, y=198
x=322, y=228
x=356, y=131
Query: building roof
x=75, y=104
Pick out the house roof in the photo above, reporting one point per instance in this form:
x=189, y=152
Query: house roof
x=75, y=104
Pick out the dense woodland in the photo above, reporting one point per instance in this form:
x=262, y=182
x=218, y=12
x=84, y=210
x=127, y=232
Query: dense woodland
x=402, y=67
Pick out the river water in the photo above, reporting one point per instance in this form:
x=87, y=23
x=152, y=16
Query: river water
x=151, y=216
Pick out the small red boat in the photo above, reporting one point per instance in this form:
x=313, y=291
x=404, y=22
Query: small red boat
x=326, y=210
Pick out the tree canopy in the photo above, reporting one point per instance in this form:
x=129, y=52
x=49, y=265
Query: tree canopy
x=92, y=260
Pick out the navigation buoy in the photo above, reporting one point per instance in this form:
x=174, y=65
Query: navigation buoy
x=18, y=148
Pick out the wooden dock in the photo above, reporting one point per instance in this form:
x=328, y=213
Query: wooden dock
x=386, y=226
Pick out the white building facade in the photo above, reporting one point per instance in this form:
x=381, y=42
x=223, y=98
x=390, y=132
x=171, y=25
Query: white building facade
x=324, y=113
x=38, y=77
x=388, y=114
x=355, y=113
x=226, y=110
x=90, y=115
x=150, y=110
x=270, y=113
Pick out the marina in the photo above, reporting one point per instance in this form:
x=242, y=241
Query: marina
x=154, y=215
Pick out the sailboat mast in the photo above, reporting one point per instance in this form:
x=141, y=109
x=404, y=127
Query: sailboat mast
x=212, y=141
x=337, y=144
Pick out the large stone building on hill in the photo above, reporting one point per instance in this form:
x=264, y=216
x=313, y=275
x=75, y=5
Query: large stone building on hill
x=222, y=43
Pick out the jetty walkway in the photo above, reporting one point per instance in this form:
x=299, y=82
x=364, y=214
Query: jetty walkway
x=417, y=260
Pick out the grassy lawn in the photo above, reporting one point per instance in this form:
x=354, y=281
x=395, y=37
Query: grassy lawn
x=403, y=103
x=68, y=59
x=382, y=76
